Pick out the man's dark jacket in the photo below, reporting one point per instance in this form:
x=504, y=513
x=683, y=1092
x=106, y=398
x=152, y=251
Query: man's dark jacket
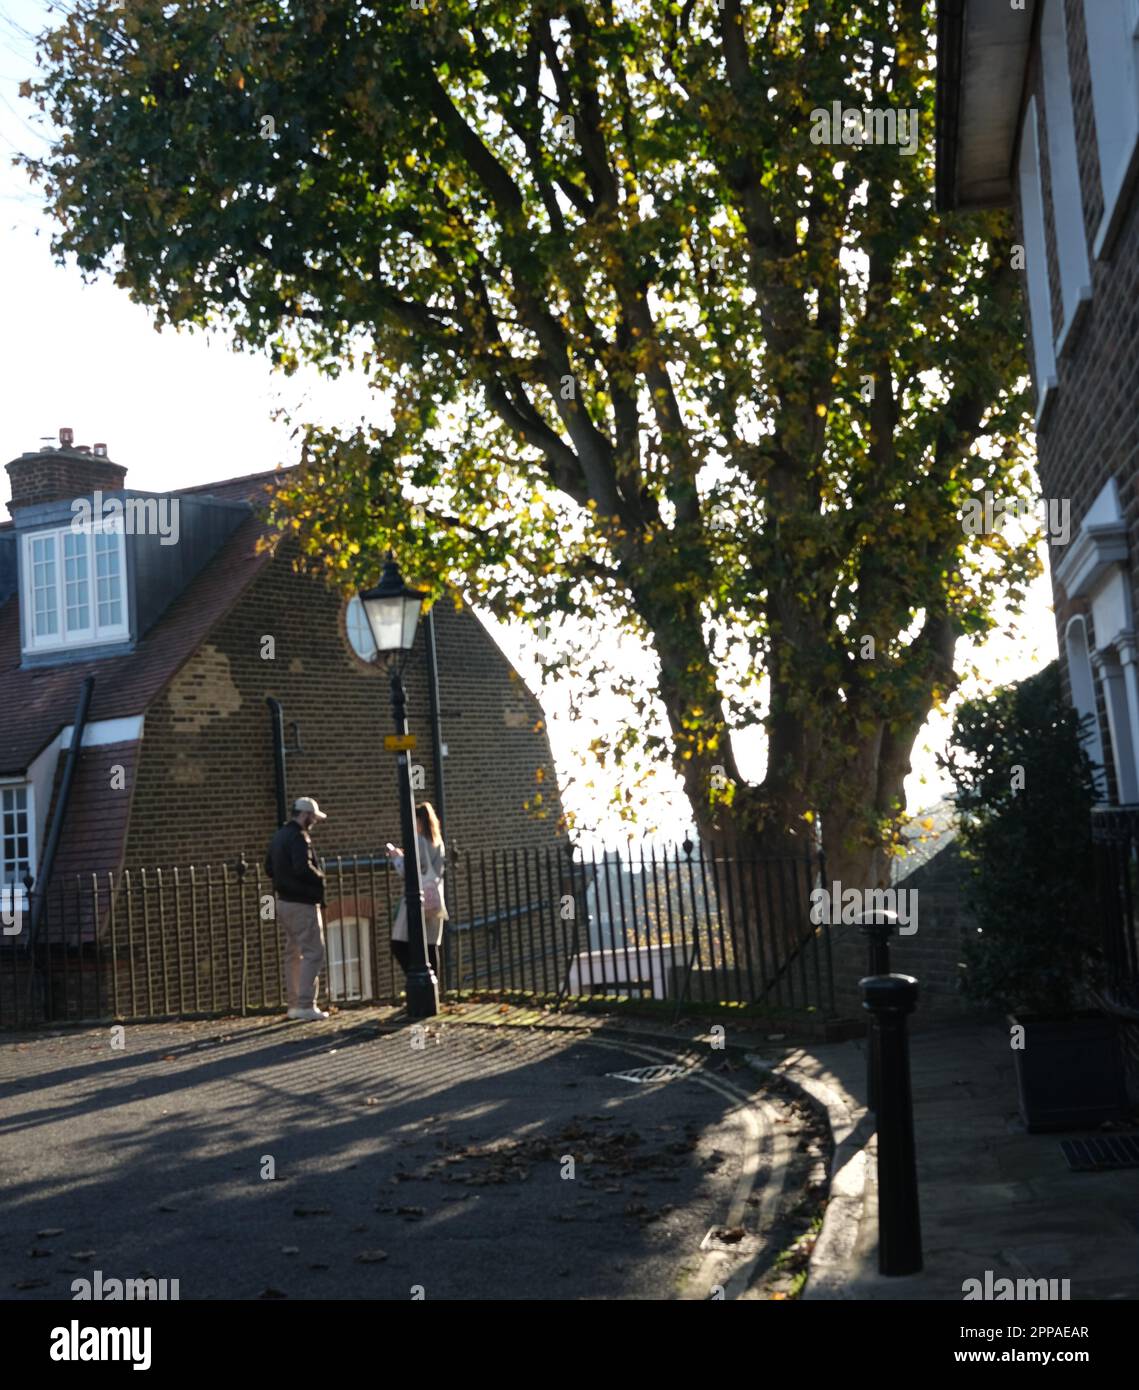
x=293, y=866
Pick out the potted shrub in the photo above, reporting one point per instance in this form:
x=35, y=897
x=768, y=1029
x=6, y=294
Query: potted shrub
x=1024, y=795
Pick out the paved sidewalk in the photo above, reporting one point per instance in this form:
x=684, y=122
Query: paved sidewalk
x=993, y=1196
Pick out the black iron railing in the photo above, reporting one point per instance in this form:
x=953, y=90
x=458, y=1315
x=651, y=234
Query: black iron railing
x=667, y=923
x=1115, y=851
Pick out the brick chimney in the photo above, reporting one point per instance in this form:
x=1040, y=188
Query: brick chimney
x=56, y=475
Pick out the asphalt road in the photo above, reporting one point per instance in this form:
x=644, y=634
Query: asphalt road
x=259, y=1159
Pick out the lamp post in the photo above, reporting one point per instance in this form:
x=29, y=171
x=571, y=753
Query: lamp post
x=392, y=610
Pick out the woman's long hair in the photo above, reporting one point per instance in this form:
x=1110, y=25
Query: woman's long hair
x=429, y=822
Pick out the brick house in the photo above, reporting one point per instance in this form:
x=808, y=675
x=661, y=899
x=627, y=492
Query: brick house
x=191, y=633
x=1038, y=109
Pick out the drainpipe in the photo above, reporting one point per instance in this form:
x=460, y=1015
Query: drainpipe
x=278, y=757
x=436, y=730
x=43, y=878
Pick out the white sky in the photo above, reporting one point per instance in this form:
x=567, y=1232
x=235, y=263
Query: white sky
x=177, y=409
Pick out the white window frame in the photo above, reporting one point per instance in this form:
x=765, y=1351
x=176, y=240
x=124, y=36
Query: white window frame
x=1081, y=680
x=1067, y=197
x=1112, y=28
x=1036, y=258
x=336, y=932
x=354, y=615
x=12, y=891
x=94, y=633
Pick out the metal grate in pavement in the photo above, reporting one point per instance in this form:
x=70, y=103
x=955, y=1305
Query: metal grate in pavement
x=1099, y=1155
x=642, y=1075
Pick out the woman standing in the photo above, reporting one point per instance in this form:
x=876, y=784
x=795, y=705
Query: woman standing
x=431, y=870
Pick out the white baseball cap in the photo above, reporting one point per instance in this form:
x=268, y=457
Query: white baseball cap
x=306, y=803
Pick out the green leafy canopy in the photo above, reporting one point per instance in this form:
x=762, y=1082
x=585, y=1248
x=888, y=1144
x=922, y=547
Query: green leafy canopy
x=624, y=312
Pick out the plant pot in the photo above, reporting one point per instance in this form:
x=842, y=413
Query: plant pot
x=1070, y=1071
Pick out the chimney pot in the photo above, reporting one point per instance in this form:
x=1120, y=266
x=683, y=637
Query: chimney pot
x=100, y=450
x=66, y=437
x=57, y=475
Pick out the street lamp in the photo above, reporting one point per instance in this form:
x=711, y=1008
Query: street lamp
x=392, y=610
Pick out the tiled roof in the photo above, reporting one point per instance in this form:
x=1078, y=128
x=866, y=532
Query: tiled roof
x=92, y=842
x=36, y=703
x=253, y=487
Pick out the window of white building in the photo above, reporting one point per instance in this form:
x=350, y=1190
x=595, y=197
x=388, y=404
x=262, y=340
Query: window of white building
x=1113, y=52
x=74, y=588
x=1067, y=200
x=17, y=845
x=1095, y=567
x=1082, y=683
x=1036, y=259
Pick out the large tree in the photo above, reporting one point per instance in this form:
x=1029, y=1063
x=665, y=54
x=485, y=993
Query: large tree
x=657, y=353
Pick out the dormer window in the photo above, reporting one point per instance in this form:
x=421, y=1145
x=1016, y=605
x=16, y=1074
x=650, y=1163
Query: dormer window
x=74, y=587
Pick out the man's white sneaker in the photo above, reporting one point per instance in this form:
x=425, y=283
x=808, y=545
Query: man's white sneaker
x=307, y=1015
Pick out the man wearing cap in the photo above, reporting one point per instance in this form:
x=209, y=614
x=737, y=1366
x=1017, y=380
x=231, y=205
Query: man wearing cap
x=298, y=882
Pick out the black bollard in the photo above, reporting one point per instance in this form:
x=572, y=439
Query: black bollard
x=889, y=998
x=876, y=927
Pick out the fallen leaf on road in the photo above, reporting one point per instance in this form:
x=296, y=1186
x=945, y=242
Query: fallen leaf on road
x=37, y=1254
x=311, y=1211
x=371, y=1257
x=31, y=1284
x=290, y=1249
x=272, y=1293
x=730, y=1234
x=82, y=1255
x=50, y=1231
